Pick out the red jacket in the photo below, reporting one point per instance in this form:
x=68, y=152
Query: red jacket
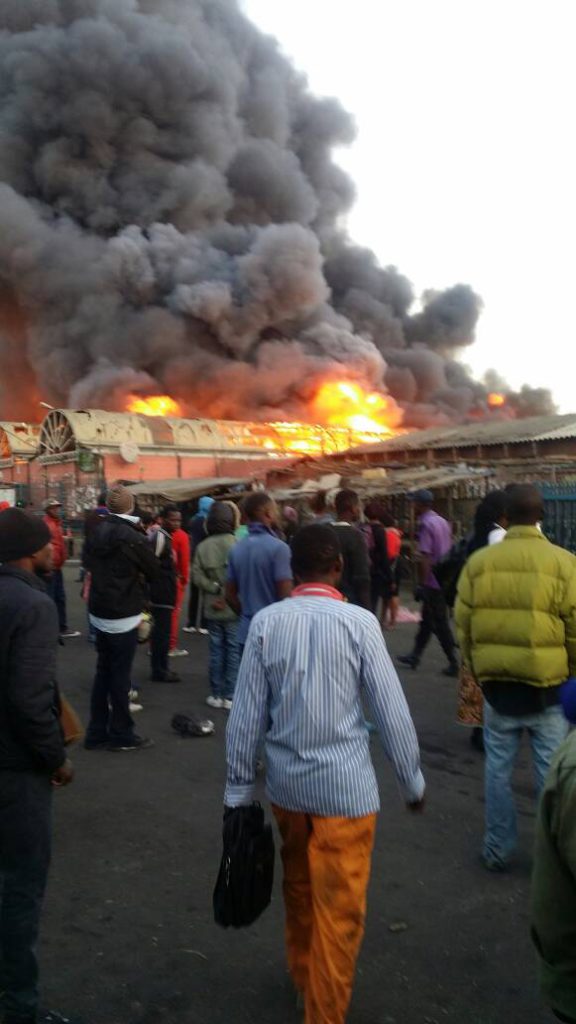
x=59, y=553
x=181, y=548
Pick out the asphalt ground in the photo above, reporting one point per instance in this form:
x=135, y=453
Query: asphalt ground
x=128, y=935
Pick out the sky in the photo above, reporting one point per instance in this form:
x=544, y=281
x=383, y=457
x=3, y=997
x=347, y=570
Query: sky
x=465, y=164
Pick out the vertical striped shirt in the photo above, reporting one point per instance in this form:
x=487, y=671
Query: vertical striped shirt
x=307, y=664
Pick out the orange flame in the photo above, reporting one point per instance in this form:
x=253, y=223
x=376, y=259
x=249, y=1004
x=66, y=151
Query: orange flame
x=495, y=400
x=154, y=405
x=346, y=404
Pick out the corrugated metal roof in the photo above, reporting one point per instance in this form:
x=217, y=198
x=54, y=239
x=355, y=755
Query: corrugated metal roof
x=19, y=438
x=535, y=428
x=186, y=490
x=389, y=482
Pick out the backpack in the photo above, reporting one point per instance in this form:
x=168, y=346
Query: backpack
x=244, y=885
x=447, y=570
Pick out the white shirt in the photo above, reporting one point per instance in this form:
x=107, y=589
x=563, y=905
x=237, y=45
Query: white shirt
x=496, y=535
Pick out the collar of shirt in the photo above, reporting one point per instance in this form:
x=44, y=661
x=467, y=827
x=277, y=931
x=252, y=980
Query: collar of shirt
x=260, y=528
x=317, y=590
x=129, y=519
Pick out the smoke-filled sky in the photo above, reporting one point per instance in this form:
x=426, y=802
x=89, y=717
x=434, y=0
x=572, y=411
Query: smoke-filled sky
x=172, y=219
x=465, y=163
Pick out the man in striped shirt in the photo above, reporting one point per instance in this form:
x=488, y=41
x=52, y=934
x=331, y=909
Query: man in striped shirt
x=308, y=663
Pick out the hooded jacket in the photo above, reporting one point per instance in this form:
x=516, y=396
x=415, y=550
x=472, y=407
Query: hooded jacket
x=122, y=564
x=30, y=735
x=211, y=560
x=516, y=611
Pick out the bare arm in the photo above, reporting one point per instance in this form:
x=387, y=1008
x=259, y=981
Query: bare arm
x=284, y=588
x=232, y=597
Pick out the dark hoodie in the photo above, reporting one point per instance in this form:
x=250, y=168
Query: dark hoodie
x=122, y=563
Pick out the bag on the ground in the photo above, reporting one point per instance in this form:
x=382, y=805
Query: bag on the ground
x=186, y=725
x=244, y=885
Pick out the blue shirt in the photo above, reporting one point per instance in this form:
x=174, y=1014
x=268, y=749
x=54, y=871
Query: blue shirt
x=307, y=664
x=256, y=565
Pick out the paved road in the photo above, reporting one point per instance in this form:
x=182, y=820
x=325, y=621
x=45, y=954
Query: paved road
x=128, y=936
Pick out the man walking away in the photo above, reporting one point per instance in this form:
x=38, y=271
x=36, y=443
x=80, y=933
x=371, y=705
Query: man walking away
x=119, y=557
x=554, y=877
x=259, y=568
x=197, y=533
x=308, y=664
x=434, y=543
x=55, y=583
x=209, y=575
x=516, y=621
x=355, y=581
x=163, y=597
x=171, y=522
x=32, y=755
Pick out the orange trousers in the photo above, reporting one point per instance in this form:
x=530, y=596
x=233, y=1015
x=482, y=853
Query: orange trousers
x=326, y=872
x=175, y=625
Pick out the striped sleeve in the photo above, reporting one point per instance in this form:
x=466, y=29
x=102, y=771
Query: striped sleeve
x=388, y=705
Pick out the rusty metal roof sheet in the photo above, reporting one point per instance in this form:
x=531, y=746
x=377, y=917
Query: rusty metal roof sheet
x=535, y=428
x=19, y=439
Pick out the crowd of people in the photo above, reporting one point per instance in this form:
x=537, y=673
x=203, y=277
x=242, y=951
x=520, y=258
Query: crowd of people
x=295, y=608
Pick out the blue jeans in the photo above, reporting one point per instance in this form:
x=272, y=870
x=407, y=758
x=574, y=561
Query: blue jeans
x=502, y=734
x=25, y=840
x=224, y=658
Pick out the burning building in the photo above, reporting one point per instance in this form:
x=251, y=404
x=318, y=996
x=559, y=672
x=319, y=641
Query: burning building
x=171, y=223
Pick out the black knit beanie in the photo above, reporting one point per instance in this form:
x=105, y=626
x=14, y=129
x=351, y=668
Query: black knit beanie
x=21, y=535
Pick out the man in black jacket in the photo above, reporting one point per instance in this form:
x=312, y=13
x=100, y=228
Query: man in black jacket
x=355, y=581
x=163, y=601
x=32, y=756
x=121, y=561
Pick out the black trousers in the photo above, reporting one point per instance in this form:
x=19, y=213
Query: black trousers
x=55, y=587
x=110, y=718
x=434, y=621
x=160, y=641
x=25, y=842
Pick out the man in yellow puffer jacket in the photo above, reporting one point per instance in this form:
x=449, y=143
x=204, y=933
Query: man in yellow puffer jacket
x=516, y=621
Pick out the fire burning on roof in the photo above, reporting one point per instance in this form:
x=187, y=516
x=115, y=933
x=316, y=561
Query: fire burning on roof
x=342, y=415
x=495, y=400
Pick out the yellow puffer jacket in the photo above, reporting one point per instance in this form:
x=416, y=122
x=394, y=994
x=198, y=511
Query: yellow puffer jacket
x=516, y=610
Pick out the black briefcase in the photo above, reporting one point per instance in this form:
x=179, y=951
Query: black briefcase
x=244, y=885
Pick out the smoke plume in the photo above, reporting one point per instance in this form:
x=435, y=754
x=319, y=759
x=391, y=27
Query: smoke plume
x=170, y=221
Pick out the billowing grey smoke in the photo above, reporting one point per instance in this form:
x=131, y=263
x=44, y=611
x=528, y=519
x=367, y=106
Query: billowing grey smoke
x=170, y=222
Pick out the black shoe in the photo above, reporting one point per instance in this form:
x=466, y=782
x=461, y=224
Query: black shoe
x=410, y=660
x=136, y=743
x=168, y=677
x=96, y=744
x=452, y=671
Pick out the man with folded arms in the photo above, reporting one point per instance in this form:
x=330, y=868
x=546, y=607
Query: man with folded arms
x=308, y=663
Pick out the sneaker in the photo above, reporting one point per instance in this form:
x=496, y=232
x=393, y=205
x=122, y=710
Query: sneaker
x=204, y=632
x=135, y=707
x=168, y=677
x=96, y=744
x=136, y=743
x=226, y=704
x=216, y=702
x=189, y=629
x=408, y=659
x=69, y=634
x=178, y=652
x=51, y=1017
x=132, y=694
